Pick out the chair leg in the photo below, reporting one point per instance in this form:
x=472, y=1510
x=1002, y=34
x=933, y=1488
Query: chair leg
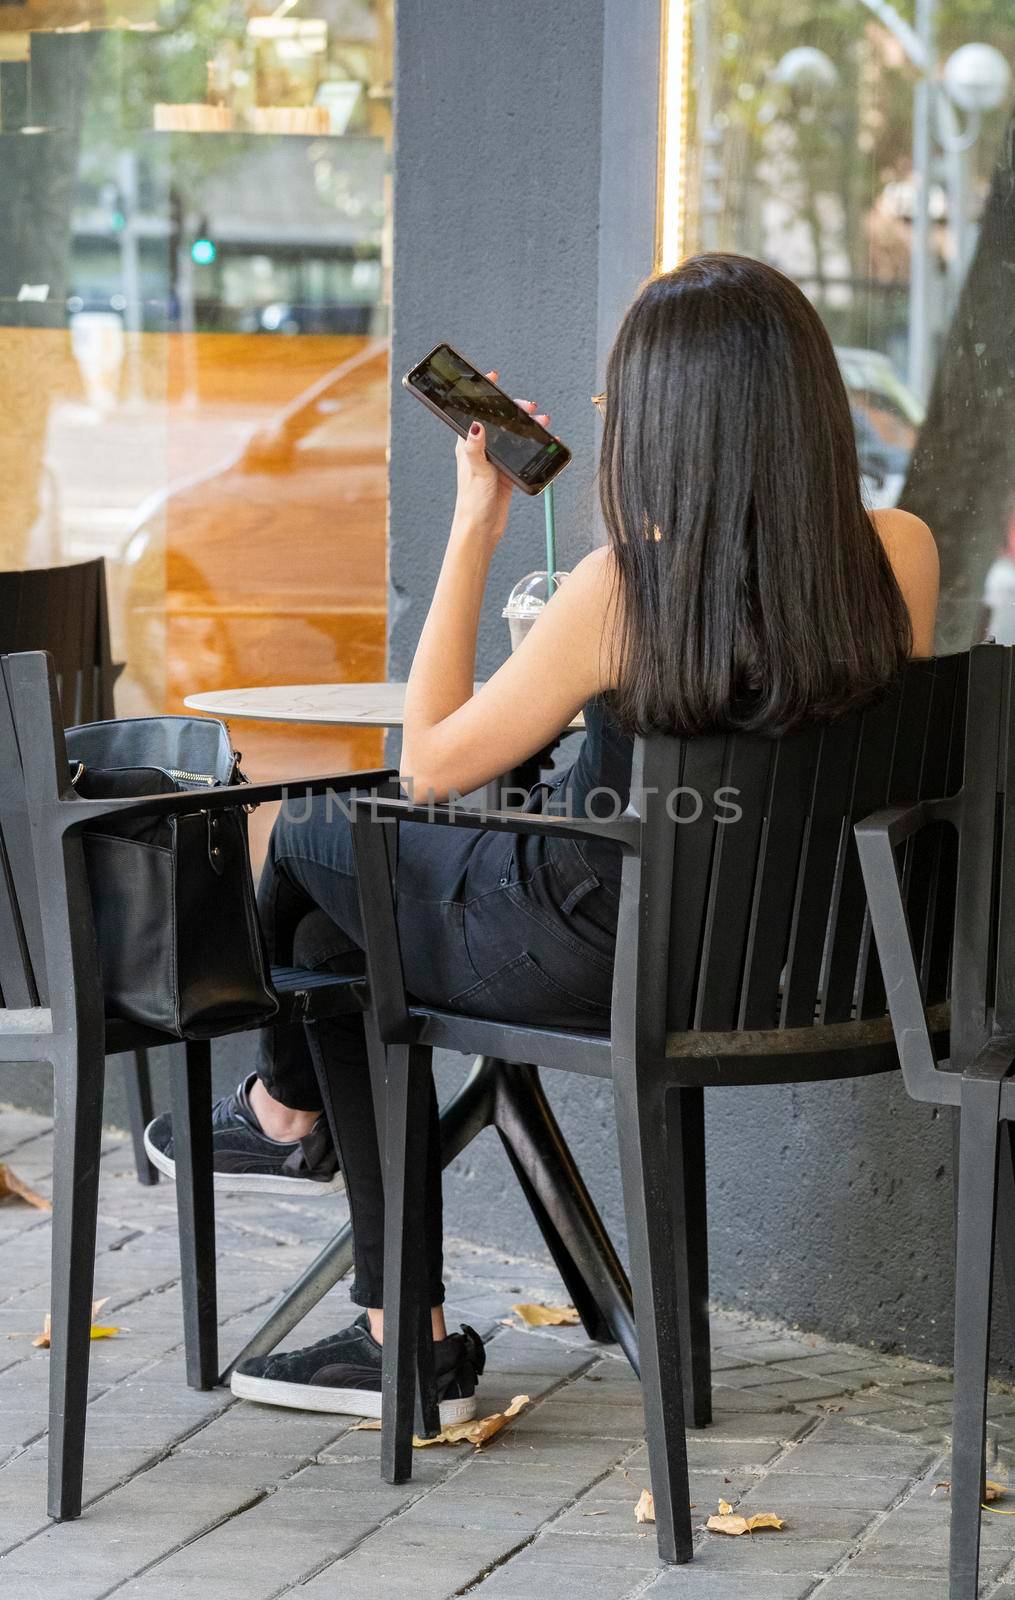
x=640, y=1103
x=77, y=1135
x=686, y=1122
x=408, y=1351
x=1005, y=1231
x=563, y=1208
x=974, y=1255
x=195, y=1209
x=138, y=1085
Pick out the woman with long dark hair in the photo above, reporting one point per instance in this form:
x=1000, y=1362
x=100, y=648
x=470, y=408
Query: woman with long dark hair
x=743, y=586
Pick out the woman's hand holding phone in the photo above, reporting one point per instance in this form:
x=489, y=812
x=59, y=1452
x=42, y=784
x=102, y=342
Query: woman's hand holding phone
x=484, y=494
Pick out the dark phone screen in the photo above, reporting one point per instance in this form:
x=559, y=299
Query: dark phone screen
x=466, y=396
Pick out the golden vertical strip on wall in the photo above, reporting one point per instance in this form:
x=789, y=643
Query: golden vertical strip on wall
x=674, y=95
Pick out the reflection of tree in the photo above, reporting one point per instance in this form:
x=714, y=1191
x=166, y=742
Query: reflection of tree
x=822, y=159
x=134, y=71
x=962, y=475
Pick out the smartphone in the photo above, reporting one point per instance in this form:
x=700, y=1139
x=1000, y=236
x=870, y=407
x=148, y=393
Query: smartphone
x=515, y=442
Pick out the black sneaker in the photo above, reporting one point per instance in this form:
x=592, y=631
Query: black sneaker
x=245, y=1159
x=343, y=1374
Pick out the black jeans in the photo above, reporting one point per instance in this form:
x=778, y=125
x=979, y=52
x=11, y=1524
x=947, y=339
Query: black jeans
x=492, y=924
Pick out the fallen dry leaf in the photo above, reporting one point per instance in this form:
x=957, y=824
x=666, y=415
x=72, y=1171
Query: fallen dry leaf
x=727, y=1524
x=42, y=1340
x=645, y=1510
x=14, y=1188
x=726, y=1521
x=830, y=1405
x=994, y=1490
x=547, y=1316
x=478, y=1431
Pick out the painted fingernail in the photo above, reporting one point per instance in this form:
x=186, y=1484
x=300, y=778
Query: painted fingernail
x=474, y=429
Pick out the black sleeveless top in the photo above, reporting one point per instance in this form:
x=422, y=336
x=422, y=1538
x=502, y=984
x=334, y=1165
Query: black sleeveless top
x=598, y=784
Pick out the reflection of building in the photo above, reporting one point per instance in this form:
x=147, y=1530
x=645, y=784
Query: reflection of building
x=183, y=228
x=172, y=196
x=261, y=233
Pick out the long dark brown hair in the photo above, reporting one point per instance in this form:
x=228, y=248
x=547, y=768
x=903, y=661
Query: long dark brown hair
x=754, y=592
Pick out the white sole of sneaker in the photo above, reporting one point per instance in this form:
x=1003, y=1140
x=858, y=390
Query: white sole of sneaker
x=252, y=1182
x=343, y=1402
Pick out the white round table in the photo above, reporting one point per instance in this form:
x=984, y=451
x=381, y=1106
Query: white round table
x=366, y=705
x=361, y=705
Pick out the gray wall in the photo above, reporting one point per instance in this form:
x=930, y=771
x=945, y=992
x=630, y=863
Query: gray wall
x=524, y=210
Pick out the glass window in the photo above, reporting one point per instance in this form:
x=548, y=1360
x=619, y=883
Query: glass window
x=870, y=158
x=194, y=309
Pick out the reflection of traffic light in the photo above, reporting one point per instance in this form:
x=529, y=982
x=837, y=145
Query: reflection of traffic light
x=203, y=250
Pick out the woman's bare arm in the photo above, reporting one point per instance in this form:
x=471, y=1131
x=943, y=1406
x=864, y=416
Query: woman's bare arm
x=456, y=740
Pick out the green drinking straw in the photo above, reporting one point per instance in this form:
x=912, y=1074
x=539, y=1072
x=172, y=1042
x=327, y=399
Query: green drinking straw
x=551, y=540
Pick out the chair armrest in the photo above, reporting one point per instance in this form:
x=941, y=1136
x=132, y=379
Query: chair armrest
x=877, y=838
x=74, y=813
x=624, y=830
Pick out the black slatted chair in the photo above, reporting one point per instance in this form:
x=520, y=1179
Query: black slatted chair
x=64, y=610
x=975, y=1076
x=53, y=1011
x=744, y=956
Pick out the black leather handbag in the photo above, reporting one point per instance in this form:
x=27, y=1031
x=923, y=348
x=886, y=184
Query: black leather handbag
x=180, y=945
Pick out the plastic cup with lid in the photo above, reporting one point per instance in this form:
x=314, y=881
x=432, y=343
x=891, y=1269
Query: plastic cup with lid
x=526, y=602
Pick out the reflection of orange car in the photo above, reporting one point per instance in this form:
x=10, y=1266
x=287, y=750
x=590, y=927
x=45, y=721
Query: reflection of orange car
x=272, y=568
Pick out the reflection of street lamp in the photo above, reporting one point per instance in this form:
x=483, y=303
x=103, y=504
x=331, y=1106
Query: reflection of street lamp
x=807, y=71
x=976, y=79
x=811, y=79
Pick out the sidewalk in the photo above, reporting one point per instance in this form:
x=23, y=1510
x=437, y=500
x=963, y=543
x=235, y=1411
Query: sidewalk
x=196, y=1494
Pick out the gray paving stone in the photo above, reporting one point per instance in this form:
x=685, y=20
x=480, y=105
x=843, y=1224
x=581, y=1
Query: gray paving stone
x=869, y=1454
x=730, y=1454
x=584, y=1550
x=872, y=1586
x=432, y=1563
x=923, y=1520
x=928, y=1557
x=279, y=1541
x=845, y=1361
x=796, y=1389
x=597, y=1514
x=698, y=1582
x=739, y=1401
x=909, y=1421
x=773, y=1428
x=769, y=1552
x=780, y=1349
x=743, y=1377
x=264, y=1431
x=804, y=1519
x=523, y=1578
x=854, y=1493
